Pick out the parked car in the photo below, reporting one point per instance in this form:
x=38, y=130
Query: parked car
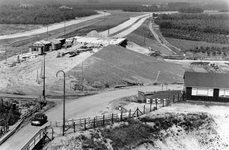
x=39, y=119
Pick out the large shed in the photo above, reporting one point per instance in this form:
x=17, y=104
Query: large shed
x=206, y=86
x=56, y=44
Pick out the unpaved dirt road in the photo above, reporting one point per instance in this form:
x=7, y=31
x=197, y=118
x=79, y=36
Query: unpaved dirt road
x=83, y=107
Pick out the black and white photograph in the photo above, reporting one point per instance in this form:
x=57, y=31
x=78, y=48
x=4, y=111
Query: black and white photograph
x=114, y=75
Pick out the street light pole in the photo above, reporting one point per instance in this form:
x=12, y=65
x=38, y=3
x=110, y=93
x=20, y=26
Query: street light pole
x=63, y=100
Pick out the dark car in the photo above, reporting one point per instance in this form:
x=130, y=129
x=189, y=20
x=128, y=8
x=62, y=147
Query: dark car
x=39, y=119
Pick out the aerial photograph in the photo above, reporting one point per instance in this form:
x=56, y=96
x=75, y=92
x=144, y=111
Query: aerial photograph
x=114, y=75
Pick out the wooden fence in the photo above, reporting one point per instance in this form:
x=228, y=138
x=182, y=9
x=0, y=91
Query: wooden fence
x=73, y=125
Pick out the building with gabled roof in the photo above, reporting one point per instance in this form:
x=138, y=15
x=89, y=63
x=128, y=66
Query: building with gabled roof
x=206, y=86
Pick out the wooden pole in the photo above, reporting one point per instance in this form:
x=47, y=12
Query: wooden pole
x=85, y=124
x=94, y=122
x=74, y=125
x=103, y=119
x=150, y=109
x=144, y=109
x=112, y=118
x=130, y=113
x=137, y=112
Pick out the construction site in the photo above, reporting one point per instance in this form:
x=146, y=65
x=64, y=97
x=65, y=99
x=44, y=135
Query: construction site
x=119, y=94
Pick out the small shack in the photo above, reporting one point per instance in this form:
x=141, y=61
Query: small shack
x=40, y=47
x=203, y=86
x=56, y=44
x=142, y=96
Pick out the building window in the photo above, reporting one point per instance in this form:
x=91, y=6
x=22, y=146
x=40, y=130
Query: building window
x=202, y=92
x=223, y=93
x=194, y=90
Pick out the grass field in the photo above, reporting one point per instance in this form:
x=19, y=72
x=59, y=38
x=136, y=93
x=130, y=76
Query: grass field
x=188, y=44
x=16, y=28
x=115, y=65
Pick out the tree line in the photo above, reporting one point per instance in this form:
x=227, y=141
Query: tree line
x=38, y=14
x=198, y=27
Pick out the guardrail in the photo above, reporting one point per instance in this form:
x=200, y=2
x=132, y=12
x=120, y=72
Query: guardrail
x=35, y=139
x=23, y=118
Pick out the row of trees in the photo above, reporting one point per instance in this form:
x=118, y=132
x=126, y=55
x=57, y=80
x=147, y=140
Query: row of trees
x=209, y=28
x=195, y=36
x=191, y=10
x=10, y=14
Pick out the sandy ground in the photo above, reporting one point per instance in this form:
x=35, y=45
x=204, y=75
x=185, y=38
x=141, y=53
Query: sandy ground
x=25, y=77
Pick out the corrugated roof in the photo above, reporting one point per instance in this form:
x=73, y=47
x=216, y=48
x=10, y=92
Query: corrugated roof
x=202, y=79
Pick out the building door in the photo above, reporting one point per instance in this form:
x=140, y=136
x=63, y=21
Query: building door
x=216, y=94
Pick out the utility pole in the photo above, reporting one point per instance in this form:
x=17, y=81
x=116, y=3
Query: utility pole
x=64, y=27
x=82, y=78
x=6, y=53
x=44, y=98
x=47, y=33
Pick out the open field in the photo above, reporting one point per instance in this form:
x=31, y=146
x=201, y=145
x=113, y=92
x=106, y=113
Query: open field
x=188, y=44
x=16, y=28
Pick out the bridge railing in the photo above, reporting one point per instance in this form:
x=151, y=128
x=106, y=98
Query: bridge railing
x=35, y=139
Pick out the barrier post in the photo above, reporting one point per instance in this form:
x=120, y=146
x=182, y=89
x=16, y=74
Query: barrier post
x=112, y=118
x=103, y=119
x=130, y=113
x=74, y=126
x=144, y=109
x=85, y=124
x=137, y=112
x=94, y=122
x=150, y=109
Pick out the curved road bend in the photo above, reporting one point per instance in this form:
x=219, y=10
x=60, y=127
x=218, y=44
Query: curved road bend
x=132, y=28
x=83, y=107
x=53, y=26
x=122, y=26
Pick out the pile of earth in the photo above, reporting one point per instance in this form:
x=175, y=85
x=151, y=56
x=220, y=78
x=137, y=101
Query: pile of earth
x=160, y=131
x=115, y=65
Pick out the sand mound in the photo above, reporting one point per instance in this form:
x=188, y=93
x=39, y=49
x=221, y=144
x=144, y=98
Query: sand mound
x=115, y=65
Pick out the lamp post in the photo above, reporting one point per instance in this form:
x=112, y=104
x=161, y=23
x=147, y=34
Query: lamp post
x=63, y=100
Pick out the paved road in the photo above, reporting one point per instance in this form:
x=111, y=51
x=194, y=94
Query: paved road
x=122, y=26
x=132, y=27
x=53, y=26
x=82, y=107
